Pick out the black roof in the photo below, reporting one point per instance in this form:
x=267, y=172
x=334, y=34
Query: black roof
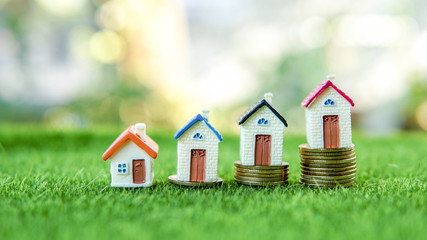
x=255, y=108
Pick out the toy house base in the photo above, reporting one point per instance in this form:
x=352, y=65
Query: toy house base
x=148, y=184
x=174, y=179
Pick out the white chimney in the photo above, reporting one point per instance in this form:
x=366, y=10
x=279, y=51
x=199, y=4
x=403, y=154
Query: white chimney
x=140, y=129
x=269, y=97
x=205, y=113
x=331, y=77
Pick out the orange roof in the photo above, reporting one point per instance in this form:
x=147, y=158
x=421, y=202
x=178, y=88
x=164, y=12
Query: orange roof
x=147, y=144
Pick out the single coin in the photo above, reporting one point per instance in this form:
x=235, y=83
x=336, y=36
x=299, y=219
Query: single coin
x=322, y=157
x=334, y=185
x=327, y=185
x=260, y=175
x=326, y=158
x=327, y=181
x=328, y=161
x=253, y=179
x=174, y=179
x=282, y=166
x=306, y=147
x=261, y=184
x=328, y=178
x=256, y=171
x=329, y=166
x=317, y=173
x=326, y=153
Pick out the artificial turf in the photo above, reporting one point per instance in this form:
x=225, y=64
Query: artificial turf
x=55, y=185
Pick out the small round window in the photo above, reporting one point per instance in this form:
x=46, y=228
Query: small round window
x=262, y=121
x=329, y=102
x=198, y=136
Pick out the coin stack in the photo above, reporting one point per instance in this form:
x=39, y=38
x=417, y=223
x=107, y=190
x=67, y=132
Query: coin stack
x=327, y=167
x=261, y=175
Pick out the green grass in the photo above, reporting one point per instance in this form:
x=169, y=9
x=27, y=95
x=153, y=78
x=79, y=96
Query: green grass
x=54, y=185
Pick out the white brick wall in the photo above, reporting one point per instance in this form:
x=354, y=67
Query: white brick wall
x=186, y=143
x=251, y=128
x=314, y=118
x=125, y=154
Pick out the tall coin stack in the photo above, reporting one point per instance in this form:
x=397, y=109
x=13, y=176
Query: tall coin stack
x=261, y=175
x=327, y=167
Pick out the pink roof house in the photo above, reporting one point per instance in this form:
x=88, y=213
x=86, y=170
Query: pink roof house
x=328, y=116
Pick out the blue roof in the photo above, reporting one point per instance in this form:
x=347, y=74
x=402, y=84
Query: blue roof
x=192, y=122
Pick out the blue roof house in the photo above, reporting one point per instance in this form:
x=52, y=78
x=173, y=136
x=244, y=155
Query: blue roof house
x=198, y=150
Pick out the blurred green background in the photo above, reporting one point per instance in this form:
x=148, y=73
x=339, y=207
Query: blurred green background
x=80, y=63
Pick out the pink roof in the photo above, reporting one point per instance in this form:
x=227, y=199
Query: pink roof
x=320, y=89
x=147, y=144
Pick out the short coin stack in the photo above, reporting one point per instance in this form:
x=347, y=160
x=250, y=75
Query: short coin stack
x=327, y=167
x=261, y=175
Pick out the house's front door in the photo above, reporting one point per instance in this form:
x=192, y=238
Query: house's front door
x=197, y=165
x=262, y=150
x=138, y=171
x=331, y=131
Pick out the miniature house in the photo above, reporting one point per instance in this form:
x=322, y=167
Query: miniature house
x=261, y=134
x=328, y=116
x=198, y=150
x=131, y=156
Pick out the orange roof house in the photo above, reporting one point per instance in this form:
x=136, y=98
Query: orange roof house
x=132, y=155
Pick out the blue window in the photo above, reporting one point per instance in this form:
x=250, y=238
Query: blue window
x=262, y=121
x=329, y=102
x=198, y=136
x=122, y=168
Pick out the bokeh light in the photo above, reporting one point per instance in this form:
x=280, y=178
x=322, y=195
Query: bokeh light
x=107, y=46
x=421, y=115
x=420, y=50
x=373, y=30
x=114, y=15
x=63, y=7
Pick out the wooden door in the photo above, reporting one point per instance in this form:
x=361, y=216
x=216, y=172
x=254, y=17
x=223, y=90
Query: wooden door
x=262, y=150
x=138, y=171
x=331, y=131
x=197, y=165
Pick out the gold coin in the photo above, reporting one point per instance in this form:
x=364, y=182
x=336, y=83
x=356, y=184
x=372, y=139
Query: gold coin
x=174, y=179
x=261, y=184
x=255, y=171
x=328, y=161
x=317, y=173
x=261, y=175
x=329, y=166
x=254, y=179
x=326, y=153
x=327, y=178
x=306, y=147
x=327, y=185
x=321, y=157
x=327, y=181
x=282, y=166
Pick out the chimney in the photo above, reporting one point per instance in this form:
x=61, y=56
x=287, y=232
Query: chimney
x=140, y=129
x=205, y=113
x=269, y=98
x=331, y=77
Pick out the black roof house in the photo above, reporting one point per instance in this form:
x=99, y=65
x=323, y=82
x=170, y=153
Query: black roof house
x=253, y=109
